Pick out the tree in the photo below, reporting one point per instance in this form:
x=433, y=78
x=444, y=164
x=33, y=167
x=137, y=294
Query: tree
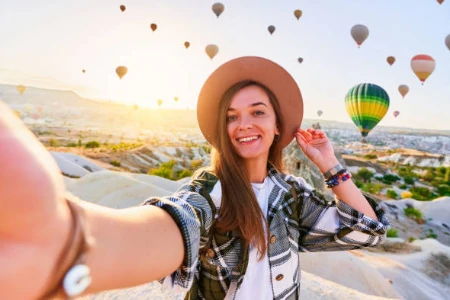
x=391, y=194
x=92, y=144
x=365, y=174
x=409, y=180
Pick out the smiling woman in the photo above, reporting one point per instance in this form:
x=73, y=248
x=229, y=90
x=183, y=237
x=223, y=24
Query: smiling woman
x=237, y=224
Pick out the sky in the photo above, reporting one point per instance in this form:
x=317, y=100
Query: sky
x=48, y=43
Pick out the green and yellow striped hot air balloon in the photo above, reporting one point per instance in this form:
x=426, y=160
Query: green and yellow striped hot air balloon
x=366, y=104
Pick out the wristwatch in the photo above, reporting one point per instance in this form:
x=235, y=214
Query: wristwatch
x=333, y=171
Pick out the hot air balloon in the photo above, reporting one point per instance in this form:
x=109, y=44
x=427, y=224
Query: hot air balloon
x=84, y=71
x=271, y=29
x=121, y=71
x=159, y=102
x=423, y=65
x=187, y=44
x=218, y=8
x=300, y=59
x=21, y=89
x=35, y=115
x=319, y=112
x=440, y=1
x=297, y=13
x=211, y=50
x=359, y=33
x=122, y=8
x=136, y=107
x=447, y=41
x=153, y=26
x=403, y=90
x=390, y=60
x=366, y=104
x=175, y=98
x=396, y=113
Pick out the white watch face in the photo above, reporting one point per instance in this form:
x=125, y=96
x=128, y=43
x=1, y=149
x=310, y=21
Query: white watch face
x=77, y=280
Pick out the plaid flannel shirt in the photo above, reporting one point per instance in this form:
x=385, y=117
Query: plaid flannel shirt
x=215, y=262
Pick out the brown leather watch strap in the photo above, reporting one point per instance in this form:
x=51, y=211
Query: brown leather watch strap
x=72, y=254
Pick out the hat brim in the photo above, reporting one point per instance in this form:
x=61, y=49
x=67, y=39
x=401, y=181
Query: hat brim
x=258, y=69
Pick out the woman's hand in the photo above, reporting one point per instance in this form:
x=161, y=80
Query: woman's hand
x=34, y=219
x=317, y=147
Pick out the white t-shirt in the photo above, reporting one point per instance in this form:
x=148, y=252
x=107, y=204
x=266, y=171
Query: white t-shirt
x=257, y=283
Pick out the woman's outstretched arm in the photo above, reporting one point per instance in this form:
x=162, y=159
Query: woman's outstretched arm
x=132, y=246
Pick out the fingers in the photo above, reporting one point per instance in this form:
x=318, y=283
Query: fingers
x=311, y=133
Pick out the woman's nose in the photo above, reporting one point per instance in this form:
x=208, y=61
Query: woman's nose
x=245, y=123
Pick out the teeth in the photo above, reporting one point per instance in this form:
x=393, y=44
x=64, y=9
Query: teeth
x=248, y=139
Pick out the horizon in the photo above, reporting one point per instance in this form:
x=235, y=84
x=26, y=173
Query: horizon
x=98, y=37
x=378, y=128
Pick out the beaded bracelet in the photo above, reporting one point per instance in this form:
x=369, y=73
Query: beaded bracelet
x=334, y=180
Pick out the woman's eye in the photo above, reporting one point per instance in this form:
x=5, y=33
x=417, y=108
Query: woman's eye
x=258, y=112
x=231, y=118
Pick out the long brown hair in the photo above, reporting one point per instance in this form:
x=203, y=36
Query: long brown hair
x=240, y=210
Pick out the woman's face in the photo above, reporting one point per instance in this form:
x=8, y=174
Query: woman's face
x=251, y=123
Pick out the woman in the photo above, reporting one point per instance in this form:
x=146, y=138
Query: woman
x=233, y=232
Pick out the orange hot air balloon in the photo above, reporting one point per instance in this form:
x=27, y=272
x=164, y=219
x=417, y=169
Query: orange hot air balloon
x=121, y=71
x=390, y=60
x=159, y=102
x=396, y=113
x=211, y=50
x=298, y=13
x=153, y=26
x=440, y=1
x=218, y=8
x=122, y=8
x=21, y=89
x=187, y=44
x=359, y=33
x=403, y=90
x=271, y=29
x=423, y=66
x=84, y=71
x=447, y=41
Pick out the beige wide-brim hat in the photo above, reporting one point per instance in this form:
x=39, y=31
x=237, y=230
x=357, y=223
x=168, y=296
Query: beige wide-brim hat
x=258, y=69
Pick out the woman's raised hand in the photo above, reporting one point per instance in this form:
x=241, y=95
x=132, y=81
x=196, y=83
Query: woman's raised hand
x=317, y=147
x=34, y=218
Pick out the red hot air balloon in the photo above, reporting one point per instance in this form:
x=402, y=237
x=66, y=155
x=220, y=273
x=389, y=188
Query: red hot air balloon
x=390, y=60
x=122, y=8
x=423, y=65
x=153, y=26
